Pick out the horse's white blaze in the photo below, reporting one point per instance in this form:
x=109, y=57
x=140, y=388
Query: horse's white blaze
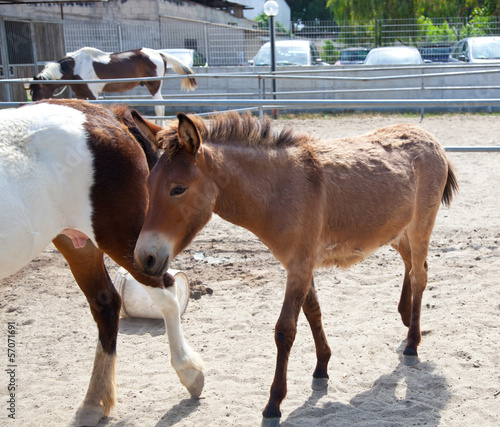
x=186, y=362
x=46, y=174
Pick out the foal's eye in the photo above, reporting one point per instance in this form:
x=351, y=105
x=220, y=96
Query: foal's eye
x=177, y=191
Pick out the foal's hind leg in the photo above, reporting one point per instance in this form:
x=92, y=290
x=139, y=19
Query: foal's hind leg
x=90, y=273
x=419, y=233
x=323, y=353
x=404, y=306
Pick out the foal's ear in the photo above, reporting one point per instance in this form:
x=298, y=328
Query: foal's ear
x=148, y=128
x=188, y=134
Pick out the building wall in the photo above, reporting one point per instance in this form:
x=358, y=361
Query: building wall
x=111, y=11
x=130, y=11
x=195, y=11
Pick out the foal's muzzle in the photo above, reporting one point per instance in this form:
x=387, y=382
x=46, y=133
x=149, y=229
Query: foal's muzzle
x=152, y=255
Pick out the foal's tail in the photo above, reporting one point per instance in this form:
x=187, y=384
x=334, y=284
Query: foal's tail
x=451, y=187
x=179, y=67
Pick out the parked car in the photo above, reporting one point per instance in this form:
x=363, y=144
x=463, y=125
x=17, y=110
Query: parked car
x=190, y=57
x=289, y=52
x=394, y=55
x=352, y=55
x=476, y=50
x=436, y=52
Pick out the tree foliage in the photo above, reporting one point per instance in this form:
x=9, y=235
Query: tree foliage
x=310, y=10
x=404, y=9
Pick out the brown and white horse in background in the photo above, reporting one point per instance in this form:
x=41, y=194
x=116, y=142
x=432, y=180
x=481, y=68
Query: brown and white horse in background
x=314, y=203
x=75, y=174
x=89, y=63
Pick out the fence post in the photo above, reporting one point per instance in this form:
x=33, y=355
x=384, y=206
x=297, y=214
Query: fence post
x=422, y=94
x=261, y=96
x=378, y=33
x=5, y=60
x=120, y=39
x=207, y=61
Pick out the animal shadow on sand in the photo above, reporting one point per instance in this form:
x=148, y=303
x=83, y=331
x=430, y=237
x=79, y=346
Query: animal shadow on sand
x=140, y=326
x=405, y=396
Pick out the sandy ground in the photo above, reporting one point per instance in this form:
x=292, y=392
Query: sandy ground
x=457, y=382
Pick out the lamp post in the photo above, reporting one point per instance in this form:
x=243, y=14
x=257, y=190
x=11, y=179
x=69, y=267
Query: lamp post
x=271, y=9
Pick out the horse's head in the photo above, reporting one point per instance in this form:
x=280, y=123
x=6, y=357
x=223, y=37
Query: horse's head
x=61, y=70
x=41, y=91
x=181, y=198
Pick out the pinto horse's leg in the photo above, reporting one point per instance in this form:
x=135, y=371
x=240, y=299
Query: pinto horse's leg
x=297, y=287
x=154, y=88
x=312, y=312
x=90, y=273
x=83, y=91
x=186, y=362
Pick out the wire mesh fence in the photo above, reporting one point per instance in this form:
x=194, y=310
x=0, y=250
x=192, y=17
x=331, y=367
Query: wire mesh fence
x=222, y=45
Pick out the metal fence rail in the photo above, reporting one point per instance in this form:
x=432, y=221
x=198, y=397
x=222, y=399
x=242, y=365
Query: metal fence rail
x=260, y=103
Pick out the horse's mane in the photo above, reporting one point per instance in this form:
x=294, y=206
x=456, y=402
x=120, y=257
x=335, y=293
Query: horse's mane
x=51, y=71
x=233, y=128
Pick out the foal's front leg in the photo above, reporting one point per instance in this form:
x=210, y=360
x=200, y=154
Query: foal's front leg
x=297, y=287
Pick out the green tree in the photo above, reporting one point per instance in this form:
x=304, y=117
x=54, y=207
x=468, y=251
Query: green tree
x=309, y=10
x=263, y=21
x=405, y=9
x=329, y=54
x=354, y=10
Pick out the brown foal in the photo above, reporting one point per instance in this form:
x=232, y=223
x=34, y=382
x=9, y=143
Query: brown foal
x=314, y=203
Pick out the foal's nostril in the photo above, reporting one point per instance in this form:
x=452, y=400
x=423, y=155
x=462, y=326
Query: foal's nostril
x=150, y=262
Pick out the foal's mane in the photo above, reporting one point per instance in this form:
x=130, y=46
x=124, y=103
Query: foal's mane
x=234, y=129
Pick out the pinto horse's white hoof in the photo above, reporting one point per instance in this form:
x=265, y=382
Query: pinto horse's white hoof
x=87, y=416
x=196, y=387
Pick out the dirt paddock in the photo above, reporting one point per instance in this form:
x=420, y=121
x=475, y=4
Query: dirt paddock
x=456, y=383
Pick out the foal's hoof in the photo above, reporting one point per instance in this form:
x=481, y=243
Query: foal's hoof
x=410, y=360
x=87, y=416
x=270, y=422
x=319, y=384
x=196, y=388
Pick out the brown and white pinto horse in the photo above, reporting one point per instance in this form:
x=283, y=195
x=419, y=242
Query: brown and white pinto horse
x=89, y=63
x=313, y=203
x=75, y=173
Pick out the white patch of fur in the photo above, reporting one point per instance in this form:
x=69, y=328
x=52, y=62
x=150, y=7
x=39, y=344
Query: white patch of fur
x=52, y=71
x=157, y=59
x=84, y=68
x=46, y=174
x=101, y=394
x=186, y=362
